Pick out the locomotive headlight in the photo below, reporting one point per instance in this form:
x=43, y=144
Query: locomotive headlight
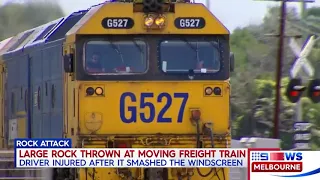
x=99, y=91
x=148, y=21
x=160, y=21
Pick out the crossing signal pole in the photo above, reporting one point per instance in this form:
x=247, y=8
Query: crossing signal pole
x=300, y=64
x=279, y=62
x=303, y=135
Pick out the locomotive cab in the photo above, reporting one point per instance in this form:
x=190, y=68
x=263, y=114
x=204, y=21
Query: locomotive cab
x=149, y=75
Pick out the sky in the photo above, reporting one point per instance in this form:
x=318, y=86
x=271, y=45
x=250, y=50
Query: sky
x=233, y=13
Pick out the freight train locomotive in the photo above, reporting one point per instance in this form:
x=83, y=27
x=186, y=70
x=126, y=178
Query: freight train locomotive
x=128, y=74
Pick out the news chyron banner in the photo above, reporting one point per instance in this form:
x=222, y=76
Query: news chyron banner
x=283, y=165
x=58, y=153
x=262, y=164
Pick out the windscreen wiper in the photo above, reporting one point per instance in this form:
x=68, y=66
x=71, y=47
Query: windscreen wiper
x=215, y=44
x=138, y=46
x=190, y=45
x=117, y=49
x=194, y=48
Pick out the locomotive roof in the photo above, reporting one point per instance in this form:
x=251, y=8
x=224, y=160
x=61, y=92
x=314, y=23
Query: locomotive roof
x=81, y=22
x=4, y=43
x=25, y=38
x=85, y=19
x=44, y=33
x=51, y=31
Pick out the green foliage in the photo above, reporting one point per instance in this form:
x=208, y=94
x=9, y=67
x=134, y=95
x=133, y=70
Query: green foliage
x=253, y=85
x=315, y=11
x=15, y=18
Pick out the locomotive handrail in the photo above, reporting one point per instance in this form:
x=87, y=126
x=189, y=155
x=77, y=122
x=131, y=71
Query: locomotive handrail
x=8, y=171
x=6, y=151
x=7, y=160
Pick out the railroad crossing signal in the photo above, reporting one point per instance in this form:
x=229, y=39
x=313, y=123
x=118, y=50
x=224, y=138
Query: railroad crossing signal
x=314, y=90
x=295, y=90
x=302, y=61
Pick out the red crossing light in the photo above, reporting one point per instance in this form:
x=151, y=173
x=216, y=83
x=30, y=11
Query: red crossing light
x=316, y=94
x=294, y=93
x=294, y=90
x=314, y=90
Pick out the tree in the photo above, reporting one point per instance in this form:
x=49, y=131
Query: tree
x=253, y=85
x=314, y=11
x=15, y=18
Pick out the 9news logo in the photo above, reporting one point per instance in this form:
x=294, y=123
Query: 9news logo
x=276, y=156
x=276, y=162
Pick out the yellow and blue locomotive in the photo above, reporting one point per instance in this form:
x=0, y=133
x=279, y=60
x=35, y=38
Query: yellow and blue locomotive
x=134, y=74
